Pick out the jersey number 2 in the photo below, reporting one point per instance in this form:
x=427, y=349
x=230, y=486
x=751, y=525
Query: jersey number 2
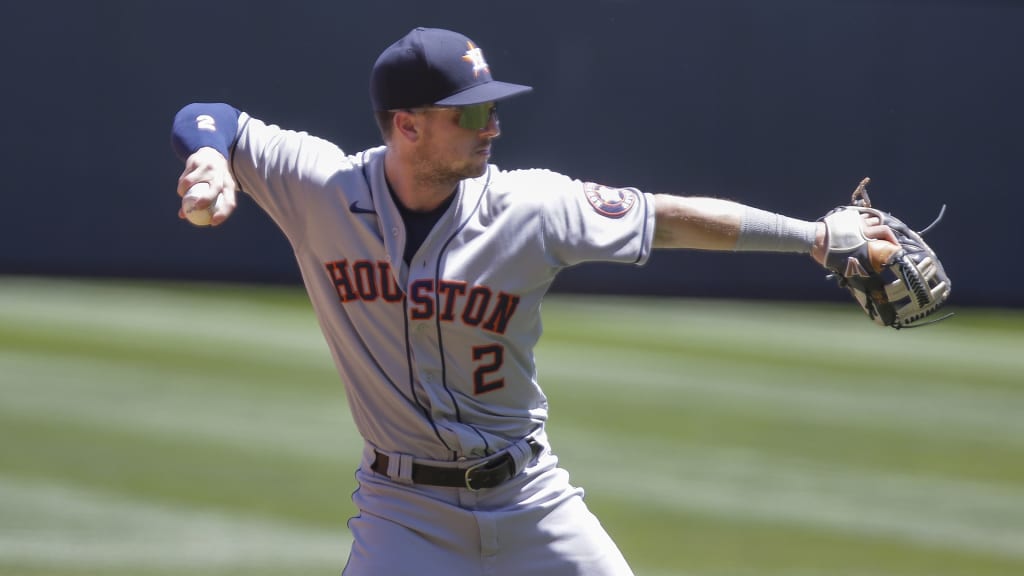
x=493, y=357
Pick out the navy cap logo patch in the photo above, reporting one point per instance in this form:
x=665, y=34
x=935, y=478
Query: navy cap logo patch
x=475, y=56
x=610, y=202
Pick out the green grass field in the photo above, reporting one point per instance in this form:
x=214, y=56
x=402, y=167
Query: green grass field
x=162, y=429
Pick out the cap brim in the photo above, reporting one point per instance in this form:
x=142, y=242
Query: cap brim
x=486, y=92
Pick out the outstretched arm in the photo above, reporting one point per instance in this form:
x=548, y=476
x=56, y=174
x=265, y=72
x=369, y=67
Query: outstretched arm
x=716, y=224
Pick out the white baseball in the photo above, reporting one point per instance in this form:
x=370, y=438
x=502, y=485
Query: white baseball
x=199, y=216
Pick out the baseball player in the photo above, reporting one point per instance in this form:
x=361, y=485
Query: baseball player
x=426, y=266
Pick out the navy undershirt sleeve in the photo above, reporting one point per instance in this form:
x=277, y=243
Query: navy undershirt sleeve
x=204, y=124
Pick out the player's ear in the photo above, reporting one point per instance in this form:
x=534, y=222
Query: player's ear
x=405, y=124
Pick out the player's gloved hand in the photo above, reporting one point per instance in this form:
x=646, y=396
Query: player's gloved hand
x=888, y=268
x=864, y=229
x=210, y=166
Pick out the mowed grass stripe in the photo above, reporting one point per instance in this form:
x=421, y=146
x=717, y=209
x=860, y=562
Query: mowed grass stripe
x=214, y=331
x=181, y=404
x=947, y=431
x=182, y=470
x=60, y=526
x=693, y=389
x=834, y=339
x=744, y=485
x=797, y=391
x=693, y=542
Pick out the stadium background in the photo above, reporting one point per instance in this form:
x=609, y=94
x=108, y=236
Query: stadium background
x=785, y=105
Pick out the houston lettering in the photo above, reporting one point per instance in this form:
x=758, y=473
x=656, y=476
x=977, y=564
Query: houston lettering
x=449, y=300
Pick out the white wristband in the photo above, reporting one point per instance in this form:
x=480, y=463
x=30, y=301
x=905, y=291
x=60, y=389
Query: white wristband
x=763, y=231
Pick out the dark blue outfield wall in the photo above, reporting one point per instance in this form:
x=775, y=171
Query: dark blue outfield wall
x=785, y=105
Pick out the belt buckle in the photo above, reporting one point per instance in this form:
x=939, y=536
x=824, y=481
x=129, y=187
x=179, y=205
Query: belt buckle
x=469, y=472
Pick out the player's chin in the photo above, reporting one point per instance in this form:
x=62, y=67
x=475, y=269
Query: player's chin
x=476, y=168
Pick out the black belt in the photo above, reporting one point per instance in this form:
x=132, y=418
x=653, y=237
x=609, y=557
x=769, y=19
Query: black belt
x=485, y=474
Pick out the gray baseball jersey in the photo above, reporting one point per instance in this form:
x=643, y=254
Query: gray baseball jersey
x=436, y=354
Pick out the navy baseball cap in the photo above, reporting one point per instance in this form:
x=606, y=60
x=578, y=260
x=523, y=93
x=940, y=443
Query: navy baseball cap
x=431, y=66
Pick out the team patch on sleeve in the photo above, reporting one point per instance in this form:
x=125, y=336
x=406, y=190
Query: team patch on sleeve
x=610, y=202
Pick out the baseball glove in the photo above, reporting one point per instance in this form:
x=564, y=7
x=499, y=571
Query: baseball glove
x=896, y=285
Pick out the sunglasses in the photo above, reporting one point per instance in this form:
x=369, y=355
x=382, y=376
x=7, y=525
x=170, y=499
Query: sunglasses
x=477, y=116
x=473, y=116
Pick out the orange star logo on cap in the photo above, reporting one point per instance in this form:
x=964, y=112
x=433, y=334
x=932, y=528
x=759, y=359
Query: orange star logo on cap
x=475, y=56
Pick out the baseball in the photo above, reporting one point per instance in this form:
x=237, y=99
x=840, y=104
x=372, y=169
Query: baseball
x=199, y=216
